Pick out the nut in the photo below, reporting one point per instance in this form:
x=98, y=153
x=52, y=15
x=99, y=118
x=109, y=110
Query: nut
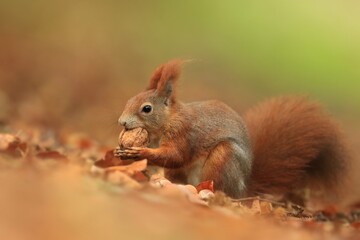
x=137, y=137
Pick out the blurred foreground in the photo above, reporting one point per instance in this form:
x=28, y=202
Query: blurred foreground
x=51, y=189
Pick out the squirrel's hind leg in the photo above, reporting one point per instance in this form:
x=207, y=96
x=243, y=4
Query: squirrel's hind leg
x=227, y=167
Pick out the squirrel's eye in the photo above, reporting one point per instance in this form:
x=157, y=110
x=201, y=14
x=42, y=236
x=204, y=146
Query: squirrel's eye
x=147, y=109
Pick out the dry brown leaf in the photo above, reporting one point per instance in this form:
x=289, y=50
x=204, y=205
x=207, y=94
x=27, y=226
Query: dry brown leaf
x=110, y=160
x=206, y=185
x=140, y=177
x=255, y=207
x=266, y=208
x=6, y=140
x=51, y=154
x=129, y=175
x=9, y=143
x=280, y=213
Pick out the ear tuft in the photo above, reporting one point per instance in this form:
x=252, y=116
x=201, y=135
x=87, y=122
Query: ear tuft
x=156, y=77
x=165, y=75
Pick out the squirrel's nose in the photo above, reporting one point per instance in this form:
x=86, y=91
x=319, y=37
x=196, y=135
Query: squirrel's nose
x=122, y=122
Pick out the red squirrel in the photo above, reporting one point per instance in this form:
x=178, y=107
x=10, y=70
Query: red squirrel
x=283, y=144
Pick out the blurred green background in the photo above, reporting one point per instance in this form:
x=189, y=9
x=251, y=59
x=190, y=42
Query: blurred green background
x=73, y=64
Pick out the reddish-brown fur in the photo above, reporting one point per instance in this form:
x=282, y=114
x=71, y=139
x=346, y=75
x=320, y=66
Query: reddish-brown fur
x=156, y=77
x=215, y=166
x=166, y=74
x=295, y=143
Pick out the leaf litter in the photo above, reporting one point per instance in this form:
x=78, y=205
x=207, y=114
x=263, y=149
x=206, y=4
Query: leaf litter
x=67, y=185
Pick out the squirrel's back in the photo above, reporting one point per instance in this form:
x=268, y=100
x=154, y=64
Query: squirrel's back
x=295, y=144
x=213, y=121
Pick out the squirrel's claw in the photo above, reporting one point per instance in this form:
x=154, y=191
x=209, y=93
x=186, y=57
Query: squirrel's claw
x=128, y=153
x=117, y=152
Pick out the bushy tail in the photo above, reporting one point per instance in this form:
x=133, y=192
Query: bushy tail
x=295, y=144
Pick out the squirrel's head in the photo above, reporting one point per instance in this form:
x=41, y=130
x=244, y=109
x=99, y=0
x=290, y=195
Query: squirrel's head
x=151, y=108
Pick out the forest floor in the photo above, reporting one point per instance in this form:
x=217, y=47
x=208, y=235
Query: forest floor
x=69, y=186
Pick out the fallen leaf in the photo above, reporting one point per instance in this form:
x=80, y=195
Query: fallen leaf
x=51, y=154
x=255, y=207
x=140, y=177
x=266, y=208
x=10, y=143
x=280, y=213
x=205, y=185
x=110, y=160
x=6, y=140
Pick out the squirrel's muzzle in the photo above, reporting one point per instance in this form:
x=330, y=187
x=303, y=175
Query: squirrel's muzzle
x=127, y=122
x=122, y=121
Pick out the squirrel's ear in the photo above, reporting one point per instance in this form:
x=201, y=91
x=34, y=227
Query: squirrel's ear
x=155, y=77
x=164, y=78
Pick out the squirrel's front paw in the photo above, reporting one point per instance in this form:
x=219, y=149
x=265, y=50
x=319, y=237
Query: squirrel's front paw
x=134, y=153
